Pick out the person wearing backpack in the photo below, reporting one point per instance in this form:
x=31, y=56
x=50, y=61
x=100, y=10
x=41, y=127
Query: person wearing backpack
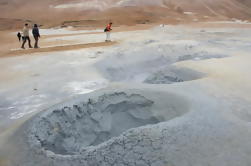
x=36, y=35
x=26, y=36
x=108, y=30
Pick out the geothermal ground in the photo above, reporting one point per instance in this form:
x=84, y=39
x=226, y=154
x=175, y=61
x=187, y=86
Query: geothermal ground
x=158, y=96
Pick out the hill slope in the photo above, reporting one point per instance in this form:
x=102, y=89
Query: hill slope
x=127, y=12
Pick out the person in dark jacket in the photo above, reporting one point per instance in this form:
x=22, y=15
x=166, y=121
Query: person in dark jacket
x=36, y=35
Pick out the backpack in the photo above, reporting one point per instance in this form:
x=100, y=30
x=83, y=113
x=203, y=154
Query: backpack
x=19, y=34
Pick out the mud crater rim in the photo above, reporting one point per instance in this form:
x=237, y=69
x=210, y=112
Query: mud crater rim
x=73, y=130
x=69, y=130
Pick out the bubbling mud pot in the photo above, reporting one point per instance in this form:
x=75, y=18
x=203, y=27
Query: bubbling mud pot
x=173, y=75
x=99, y=129
x=68, y=130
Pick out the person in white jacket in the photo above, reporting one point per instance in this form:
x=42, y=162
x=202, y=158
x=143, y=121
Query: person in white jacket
x=26, y=36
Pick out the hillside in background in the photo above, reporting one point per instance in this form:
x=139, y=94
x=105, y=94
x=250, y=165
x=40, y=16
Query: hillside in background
x=86, y=13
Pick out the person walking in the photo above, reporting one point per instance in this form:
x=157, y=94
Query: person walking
x=26, y=36
x=108, y=30
x=36, y=35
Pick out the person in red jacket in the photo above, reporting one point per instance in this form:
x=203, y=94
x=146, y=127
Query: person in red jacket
x=108, y=30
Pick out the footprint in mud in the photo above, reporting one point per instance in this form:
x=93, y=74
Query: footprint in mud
x=95, y=55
